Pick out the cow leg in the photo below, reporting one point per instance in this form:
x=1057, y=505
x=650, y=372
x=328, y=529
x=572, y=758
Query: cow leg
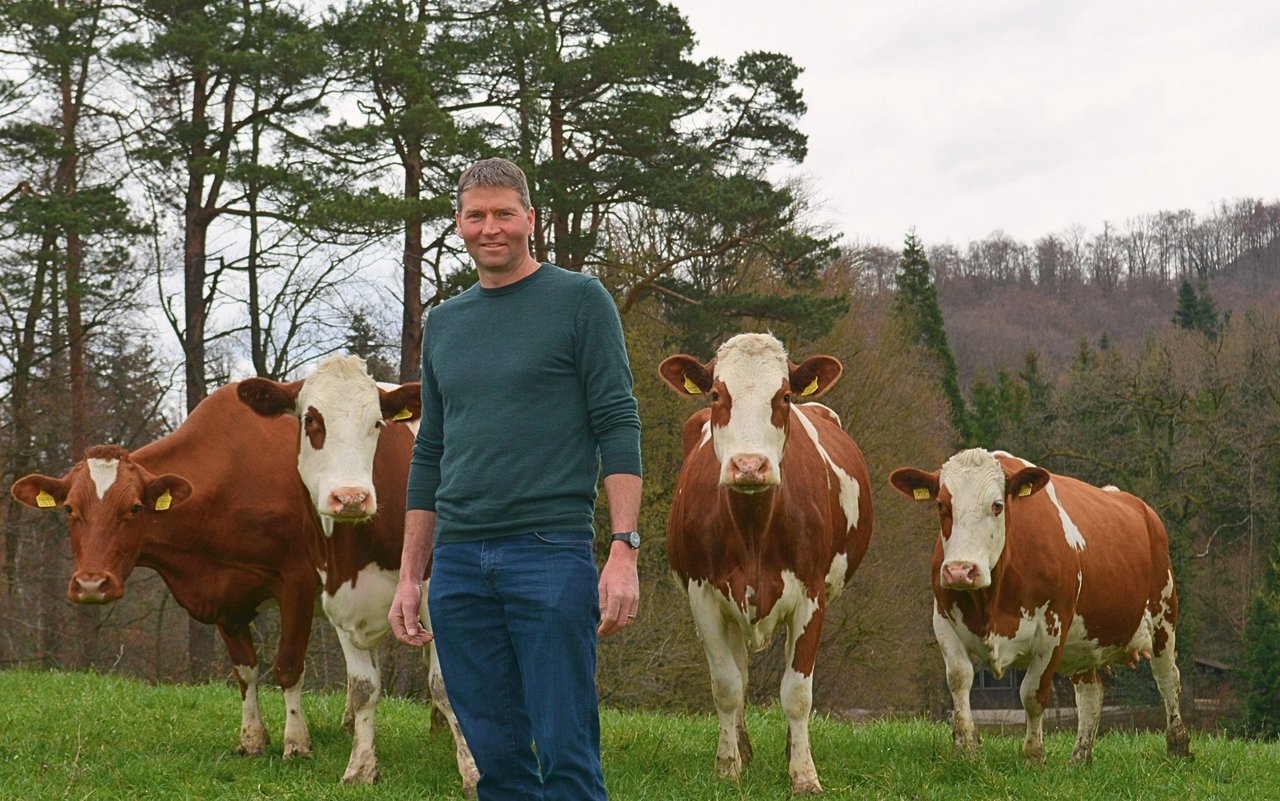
x=722, y=641
x=1035, y=689
x=964, y=734
x=1088, y=687
x=364, y=686
x=797, y=699
x=1164, y=667
x=744, y=739
x=440, y=698
x=244, y=663
x=297, y=610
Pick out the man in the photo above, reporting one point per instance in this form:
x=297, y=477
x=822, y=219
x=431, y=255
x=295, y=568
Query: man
x=527, y=400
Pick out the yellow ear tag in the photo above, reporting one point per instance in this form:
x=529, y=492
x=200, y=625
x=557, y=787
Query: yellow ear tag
x=163, y=502
x=45, y=501
x=813, y=387
x=1024, y=490
x=690, y=387
x=921, y=493
x=403, y=414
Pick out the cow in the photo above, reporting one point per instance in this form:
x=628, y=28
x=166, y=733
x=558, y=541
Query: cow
x=771, y=516
x=348, y=457
x=1048, y=574
x=215, y=508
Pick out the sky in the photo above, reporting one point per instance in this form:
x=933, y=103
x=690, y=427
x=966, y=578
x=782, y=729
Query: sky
x=959, y=119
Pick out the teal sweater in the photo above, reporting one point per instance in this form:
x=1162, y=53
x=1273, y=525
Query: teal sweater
x=526, y=401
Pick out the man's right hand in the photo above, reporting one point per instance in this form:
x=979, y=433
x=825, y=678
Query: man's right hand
x=404, y=617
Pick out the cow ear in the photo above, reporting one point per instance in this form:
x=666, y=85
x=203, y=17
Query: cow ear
x=1027, y=481
x=40, y=492
x=166, y=491
x=269, y=398
x=686, y=375
x=815, y=376
x=915, y=484
x=402, y=404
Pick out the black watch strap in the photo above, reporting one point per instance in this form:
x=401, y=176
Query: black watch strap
x=631, y=538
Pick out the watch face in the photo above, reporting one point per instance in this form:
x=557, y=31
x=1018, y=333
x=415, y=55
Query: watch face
x=631, y=538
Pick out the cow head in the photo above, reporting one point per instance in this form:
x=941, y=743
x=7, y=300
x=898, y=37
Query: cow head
x=343, y=410
x=110, y=502
x=751, y=385
x=973, y=491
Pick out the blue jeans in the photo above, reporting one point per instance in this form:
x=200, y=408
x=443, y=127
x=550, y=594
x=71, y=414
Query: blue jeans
x=515, y=622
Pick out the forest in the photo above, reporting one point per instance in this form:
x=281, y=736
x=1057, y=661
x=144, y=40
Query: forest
x=195, y=192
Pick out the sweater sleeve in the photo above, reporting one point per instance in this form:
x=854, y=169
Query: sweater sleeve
x=428, y=447
x=605, y=373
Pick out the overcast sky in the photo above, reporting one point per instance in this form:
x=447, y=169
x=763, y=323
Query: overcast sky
x=961, y=118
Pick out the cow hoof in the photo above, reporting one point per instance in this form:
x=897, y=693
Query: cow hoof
x=1033, y=756
x=966, y=749
x=297, y=751
x=1081, y=756
x=253, y=745
x=468, y=792
x=364, y=774
x=1179, y=743
x=808, y=785
x=729, y=768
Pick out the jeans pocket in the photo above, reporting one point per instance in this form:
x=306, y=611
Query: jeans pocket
x=562, y=538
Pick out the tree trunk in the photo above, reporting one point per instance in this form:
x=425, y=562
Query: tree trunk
x=411, y=318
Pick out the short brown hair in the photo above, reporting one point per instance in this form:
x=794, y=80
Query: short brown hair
x=495, y=172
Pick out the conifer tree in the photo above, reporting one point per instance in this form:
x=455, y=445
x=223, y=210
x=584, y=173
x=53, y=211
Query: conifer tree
x=917, y=310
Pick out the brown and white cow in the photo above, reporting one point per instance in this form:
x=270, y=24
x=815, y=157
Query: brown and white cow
x=772, y=514
x=348, y=458
x=216, y=509
x=1045, y=573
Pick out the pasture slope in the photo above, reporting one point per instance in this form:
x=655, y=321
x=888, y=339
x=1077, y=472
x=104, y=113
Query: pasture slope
x=84, y=736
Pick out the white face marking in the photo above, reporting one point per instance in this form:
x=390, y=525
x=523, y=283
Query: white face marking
x=849, y=489
x=976, y=482
x=753, y=367
x=103, y=472
x=346, y=397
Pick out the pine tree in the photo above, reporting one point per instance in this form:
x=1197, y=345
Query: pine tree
x=916, y=307
x=1196, y=311
x=1262, y=661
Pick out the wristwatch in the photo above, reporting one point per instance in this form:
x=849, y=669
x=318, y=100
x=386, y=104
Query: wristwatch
x=631, y=538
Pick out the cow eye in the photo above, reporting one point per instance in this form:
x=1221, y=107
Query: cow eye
x=66, y=507
x=380, y=424
x=715, y=396
x=786, y=398
x=136, y=508
x=308, y=420
x=997, y=508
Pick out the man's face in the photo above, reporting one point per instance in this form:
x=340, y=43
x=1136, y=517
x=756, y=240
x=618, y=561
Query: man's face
x=495, y=228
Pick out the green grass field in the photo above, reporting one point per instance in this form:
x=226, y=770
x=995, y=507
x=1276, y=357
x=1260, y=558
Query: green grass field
x=80, y=736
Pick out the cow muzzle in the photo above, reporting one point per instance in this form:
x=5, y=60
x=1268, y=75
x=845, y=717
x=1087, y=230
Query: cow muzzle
x=750, y=472
x=94, y=588
x=960, y=575
x=350, y=503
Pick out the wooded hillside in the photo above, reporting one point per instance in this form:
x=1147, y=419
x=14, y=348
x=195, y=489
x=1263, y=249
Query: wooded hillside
x=192, y=193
